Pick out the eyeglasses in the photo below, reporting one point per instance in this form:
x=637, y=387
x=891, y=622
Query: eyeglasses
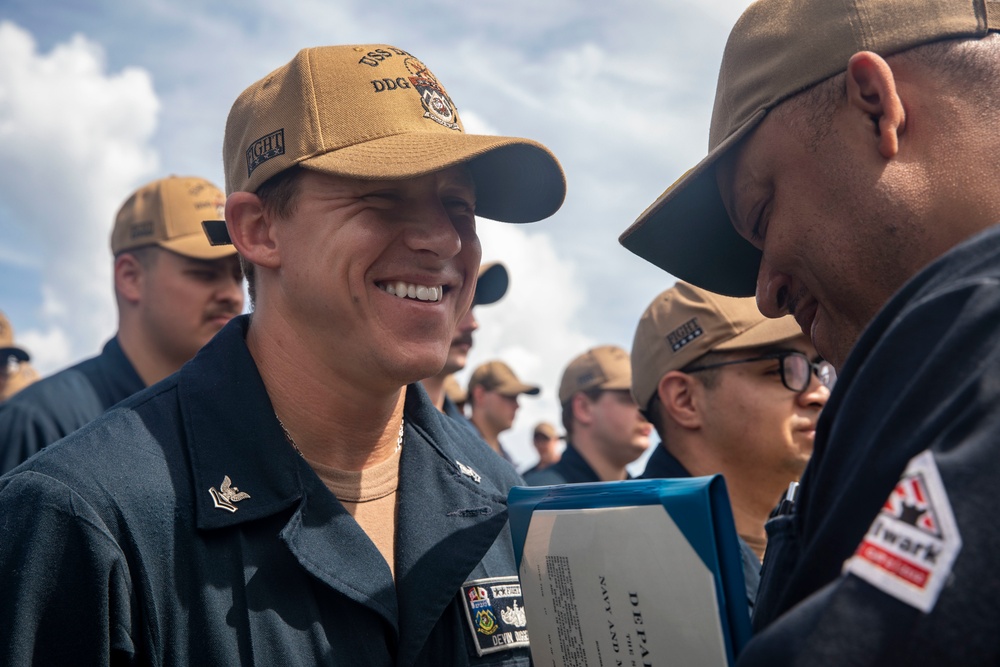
x=796, y=369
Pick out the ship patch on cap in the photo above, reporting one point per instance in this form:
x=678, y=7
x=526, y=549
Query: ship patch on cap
x=684, y=334
x=495, y=610
x=438, y=107
x=913, y=542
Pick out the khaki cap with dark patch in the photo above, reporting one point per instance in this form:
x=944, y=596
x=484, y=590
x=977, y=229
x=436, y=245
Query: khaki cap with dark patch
x=686, y=322
x=777, y=49
x=606, y=367
x=168, y=213
x=377, y=112
x=497, y=376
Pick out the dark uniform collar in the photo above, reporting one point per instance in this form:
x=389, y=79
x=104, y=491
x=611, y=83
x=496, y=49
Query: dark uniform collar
x=573, y=467
x=112, y=376
x=451, y=496
x=232, y=433
x=663, y=464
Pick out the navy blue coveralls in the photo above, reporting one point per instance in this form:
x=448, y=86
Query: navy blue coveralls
x=571, y=468
x=924, y=376
x=131, y=542
x=55, y=406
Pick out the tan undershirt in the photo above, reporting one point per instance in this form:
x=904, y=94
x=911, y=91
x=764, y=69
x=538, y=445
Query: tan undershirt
x=758, y=544
x=370, y=497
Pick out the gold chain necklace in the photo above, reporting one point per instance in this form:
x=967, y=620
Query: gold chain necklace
x=291, y=440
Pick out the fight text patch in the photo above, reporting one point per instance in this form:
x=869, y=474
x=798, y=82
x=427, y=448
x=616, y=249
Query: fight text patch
x=495, y=609
x=910, y=547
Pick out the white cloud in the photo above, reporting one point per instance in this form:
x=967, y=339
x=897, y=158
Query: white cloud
x=76, y=142
x=49, y=349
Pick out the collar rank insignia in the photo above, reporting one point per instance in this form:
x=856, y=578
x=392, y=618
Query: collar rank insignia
x=227, y=494
x=469, y=472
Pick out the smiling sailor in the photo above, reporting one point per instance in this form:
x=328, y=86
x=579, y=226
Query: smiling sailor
x=291, y=496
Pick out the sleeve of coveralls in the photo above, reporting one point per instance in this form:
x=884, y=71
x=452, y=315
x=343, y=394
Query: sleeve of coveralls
x=64, y=586
x=921, y=587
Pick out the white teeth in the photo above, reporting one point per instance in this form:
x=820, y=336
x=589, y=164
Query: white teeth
x=418, y=292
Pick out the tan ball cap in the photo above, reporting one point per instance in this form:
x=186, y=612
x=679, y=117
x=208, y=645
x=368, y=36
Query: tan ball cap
x=377, y=112
x=168, y=213
x=778, y=48
x=547, y=431
x=686, y=322
x=497, y=376
x=7, y=346
x=606, y=367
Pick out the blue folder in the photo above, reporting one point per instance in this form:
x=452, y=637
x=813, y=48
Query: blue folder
x=699, y=506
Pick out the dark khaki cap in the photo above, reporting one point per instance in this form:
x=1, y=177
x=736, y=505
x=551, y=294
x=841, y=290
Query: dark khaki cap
x=7, y=347
x=376, y=112
x=779, y=48
x=547, y=431
x=497, y=376
x=168, y=213
x=685, y=322
x=492, y=283
x=605, y=367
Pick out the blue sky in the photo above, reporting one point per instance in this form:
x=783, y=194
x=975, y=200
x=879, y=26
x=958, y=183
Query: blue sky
x=97, y=98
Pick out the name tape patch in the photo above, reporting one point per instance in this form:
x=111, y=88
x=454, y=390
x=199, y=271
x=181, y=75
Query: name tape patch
x=909, y=549
x=495, y=609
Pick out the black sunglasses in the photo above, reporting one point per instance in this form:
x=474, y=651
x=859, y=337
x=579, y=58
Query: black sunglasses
x=796, y=369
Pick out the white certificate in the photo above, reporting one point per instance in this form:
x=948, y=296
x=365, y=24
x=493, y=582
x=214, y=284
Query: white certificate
x=618, y=586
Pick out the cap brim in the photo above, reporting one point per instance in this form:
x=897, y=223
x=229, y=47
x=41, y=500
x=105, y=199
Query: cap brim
x=687, y=231
x=767, y=332
x=517, y=390
x=16, y=352
x=616, y=385
x=491, y=285
x=517, y=180
x=197, y=246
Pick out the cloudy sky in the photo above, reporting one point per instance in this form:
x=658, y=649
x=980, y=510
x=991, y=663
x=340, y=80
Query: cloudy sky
x=98, y=97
